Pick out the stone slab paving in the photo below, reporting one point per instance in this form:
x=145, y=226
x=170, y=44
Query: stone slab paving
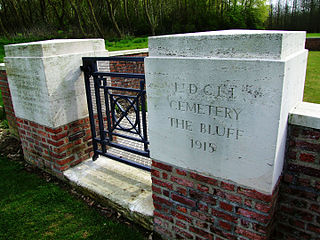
x=125, y=188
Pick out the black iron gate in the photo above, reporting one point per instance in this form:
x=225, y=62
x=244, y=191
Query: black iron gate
x=116, y=111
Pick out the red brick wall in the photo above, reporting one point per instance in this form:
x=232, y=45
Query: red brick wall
x=193, y=206
x=299, y=204
x=6, y=96
x=127, y=67
x=56, y=149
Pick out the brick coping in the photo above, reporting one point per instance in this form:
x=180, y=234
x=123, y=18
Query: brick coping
x=2, y=67
x=306, y=114
x=128, y=52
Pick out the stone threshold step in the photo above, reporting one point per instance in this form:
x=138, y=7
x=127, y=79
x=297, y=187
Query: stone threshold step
x=124, y=188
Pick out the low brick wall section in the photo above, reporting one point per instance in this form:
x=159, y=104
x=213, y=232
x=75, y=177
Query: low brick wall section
x=299, y=206
x=127, y=67
x=6, y=96
x=56, y=149
x=313, y=44
x=189, y=205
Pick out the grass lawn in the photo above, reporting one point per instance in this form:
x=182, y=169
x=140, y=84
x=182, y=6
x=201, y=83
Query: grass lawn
x=31, y=208
x=312, y=85
x=313, y=34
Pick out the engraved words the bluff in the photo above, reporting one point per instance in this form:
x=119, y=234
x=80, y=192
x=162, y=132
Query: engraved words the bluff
x=214, y=113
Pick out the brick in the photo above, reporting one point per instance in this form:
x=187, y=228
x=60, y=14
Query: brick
x=315, y=208
x=313, y=228
x=180, y=224
x=304, y=170
x=181, y=216
x=183, y=200
x=227, y=186
x=226, y=206
x=263, y=207
x=202, y=216
x=161, y=200
x=200, y=232
x=308, y=146
x=163, y=231
x=162, y=184
x=155, y=173
x=65, y=161
x=311, y=134
x=203, y=207
x=233, y=198
x=202, y=197
x=288, y=178
x=162, y=166
x=204, y=179
x=255, y=194
x=53, y=130
x=164, y=175
x=181, y=172
x=182, y=209
x=202, y=188
x=183, y=182
x=59, y=136
x=160, y=215
x=249, y=234
x=222, y=233
x=253, y=215
x=225, y=225
x=56, y=144
x=224, y=216
x=307, y=157
x=185, y=235
x=156, y=189
x=182, y=191
x=62, y=148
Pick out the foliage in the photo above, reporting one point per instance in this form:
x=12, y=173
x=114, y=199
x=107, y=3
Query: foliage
x=295, y=15
x=312, y=85
x=96, y=18
x=31, y=208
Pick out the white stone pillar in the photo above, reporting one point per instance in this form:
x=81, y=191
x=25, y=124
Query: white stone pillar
x=218, y=106
x=46, y=81
x=48, y=95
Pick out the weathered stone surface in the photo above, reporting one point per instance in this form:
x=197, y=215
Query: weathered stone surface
x=45, y=79
x=224, y=112
x=125, y=188
x=306, y=114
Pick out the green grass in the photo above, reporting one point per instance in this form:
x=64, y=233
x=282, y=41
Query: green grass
x=126, y=44
x=31, y=208
x=312, y=85
x=313, y=34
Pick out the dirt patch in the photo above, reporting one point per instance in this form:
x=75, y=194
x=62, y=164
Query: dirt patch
x=10, y=146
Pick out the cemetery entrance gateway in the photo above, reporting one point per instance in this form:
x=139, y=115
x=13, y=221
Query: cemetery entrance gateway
x=116, y=112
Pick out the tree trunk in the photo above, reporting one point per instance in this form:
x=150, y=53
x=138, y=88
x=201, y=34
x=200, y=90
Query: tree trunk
x=96, y=24
x=75, y=8
x=113, y=19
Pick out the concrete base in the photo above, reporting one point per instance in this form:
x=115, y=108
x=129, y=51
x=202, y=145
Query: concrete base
x=125, y=188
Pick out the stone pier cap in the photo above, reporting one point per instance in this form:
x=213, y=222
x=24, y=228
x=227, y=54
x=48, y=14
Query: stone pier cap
x=54, y=47
x=45, y=79
x=218, y=102
x=260, y=44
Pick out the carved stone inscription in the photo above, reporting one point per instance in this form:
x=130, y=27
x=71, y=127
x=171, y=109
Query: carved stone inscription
x=206, y=110
x=214, y=116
